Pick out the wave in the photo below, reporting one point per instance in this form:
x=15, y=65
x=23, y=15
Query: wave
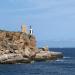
x=61, y=60
x=66, y=57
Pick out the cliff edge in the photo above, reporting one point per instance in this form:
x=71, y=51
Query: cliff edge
x=20, y=47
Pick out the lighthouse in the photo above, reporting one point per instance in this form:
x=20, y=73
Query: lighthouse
x=31, y=30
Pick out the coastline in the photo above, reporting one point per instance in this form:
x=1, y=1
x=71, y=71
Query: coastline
x=20, y=47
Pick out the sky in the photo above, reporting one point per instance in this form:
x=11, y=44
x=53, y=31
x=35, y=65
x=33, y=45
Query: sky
x=51, y=20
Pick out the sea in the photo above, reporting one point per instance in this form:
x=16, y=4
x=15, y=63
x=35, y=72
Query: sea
x=65, y=66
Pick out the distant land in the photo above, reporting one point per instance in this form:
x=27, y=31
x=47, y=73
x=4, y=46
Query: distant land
x=57, y=44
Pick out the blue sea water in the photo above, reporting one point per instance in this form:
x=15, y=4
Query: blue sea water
x=66, y=66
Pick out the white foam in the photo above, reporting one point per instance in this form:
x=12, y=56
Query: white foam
x=66, y=57
x=61, y=60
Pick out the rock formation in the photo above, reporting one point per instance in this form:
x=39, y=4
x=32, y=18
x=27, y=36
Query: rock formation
x=20, y=47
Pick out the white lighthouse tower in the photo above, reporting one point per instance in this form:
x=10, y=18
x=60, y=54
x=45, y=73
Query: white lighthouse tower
x=31, y=30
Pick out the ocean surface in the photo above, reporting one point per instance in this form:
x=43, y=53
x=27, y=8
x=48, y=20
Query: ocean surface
x=66, y=66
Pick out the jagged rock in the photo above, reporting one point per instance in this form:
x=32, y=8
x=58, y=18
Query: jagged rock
x=32, y=42
x=26, y=52
x=15, y=40
x=57, y=55
x=13, y=58
x=47, y=55
x=19, y=47
x=7, y=52
x=43, y=55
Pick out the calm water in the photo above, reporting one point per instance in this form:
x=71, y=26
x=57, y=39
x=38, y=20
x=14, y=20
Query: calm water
x=59, y=67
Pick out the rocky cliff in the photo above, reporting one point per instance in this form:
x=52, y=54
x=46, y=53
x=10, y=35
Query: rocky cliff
x=16, y=42
x=19, y=47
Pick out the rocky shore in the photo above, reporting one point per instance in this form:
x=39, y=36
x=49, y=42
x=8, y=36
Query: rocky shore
x=19, y=47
